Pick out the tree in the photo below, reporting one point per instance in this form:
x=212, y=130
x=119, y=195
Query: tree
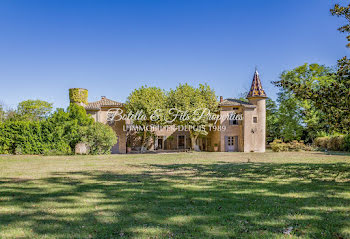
x=67, y=126
x=78, y=113
x=289, y=117
x=2, y=113
x=189, y=100
x=33, y=110
x=326, y=91
x=57, y=134
x=340, y=89
x=150, y=101
x=242, y=96
x=99, y=137
x=343, y=11
x=293, y=119
x=272, y=121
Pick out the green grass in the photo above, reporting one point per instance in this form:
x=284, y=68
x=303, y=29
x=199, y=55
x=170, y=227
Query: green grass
x=185, y=195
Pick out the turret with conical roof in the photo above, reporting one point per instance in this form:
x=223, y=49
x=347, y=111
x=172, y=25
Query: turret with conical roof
x=255, y=120
x=256, y=89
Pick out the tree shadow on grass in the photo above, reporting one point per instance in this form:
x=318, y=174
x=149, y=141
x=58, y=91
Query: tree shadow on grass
x=237, y=200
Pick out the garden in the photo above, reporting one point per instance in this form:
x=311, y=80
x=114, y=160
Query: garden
x=186, y=195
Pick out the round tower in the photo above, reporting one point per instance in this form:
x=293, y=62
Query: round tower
x=78, y=96
x=257, y=97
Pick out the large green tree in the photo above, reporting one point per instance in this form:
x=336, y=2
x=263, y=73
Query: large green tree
x=343, y=11
x=323, y=93
x=289, y=117
x=33, y=109
x=188, y=101
x=272, y=121
x=339, y=90
x=150, y=101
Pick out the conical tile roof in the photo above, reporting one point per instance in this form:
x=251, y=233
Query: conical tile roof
x=256, y=89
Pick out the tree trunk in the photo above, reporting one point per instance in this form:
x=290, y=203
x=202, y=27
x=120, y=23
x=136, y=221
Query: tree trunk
x=193, y=140
x=144, y=141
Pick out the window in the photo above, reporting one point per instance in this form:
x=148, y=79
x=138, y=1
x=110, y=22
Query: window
x=255, y=119
x=181, y=141
x=230, y=140
x=232, y=120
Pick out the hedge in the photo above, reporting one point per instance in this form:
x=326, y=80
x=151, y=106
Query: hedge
x=30, y=137
x=333, y=143
x=279, y=146
x=57, y=134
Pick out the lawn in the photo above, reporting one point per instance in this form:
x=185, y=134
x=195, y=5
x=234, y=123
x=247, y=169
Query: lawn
x=184, y=195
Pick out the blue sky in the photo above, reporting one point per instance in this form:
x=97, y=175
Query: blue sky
x=112, y=47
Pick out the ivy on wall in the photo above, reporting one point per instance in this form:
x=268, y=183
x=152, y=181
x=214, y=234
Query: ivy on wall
x=78, y=95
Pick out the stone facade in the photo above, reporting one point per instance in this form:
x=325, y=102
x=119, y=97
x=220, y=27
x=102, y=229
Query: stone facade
x=247, y=135
x=99, y=110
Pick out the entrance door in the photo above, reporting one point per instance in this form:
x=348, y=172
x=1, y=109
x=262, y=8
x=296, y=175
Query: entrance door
x=229, y=144
x=160, y=143
x=181, y=142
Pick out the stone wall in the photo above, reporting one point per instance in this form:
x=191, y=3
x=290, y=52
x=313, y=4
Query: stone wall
x=255, y=133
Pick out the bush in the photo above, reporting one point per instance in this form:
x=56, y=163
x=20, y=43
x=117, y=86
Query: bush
x=20, y=137
x=321, y=142
x=56, y=135
x=99, y=137
x=336, y=143
x=333, y=143
x=279, y=146
x=347, y=142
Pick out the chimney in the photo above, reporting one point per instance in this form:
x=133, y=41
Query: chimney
x=221, y=99
x=103, y=97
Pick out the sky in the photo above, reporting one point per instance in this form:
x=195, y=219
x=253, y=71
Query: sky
x=113, y=47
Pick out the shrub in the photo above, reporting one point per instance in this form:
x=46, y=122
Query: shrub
x=99, y=137
x=333, y=143
x=336, y=143
x=347, y=142
x=279, y=146
x=56, y=135
x=20, y=137
x=321, y=142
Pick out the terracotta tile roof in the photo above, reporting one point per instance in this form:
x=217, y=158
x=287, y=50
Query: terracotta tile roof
x=235, y=102
x=104, y=102
x=256, y=89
